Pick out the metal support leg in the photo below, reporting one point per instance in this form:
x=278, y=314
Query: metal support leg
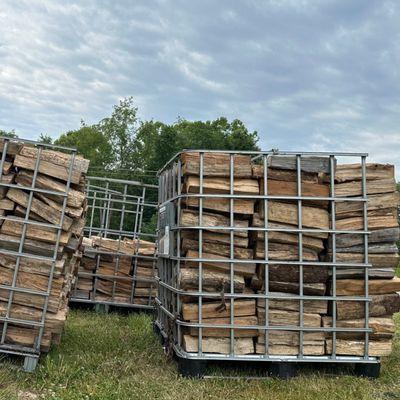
x=283, y=370
x=191, y=368
x=30, y=363
x=368, y=370
x=102, y=308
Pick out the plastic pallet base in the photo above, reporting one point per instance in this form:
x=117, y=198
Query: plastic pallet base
x=368, y=370
x=191, y=368
x=30, y=363
x=282, y=370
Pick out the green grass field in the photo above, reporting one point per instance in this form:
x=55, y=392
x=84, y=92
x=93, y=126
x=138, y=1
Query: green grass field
x=118, y=357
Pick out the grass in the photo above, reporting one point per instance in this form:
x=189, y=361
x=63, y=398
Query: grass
x=118, y=357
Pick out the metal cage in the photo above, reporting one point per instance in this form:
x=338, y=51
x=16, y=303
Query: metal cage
x=169, y=300
x=118, y=210
x=21, y=250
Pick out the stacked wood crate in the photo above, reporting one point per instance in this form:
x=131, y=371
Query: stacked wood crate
x=284, y=279
x=117, y=271
x=235, y=293
x=37, y=257
x=382, y=206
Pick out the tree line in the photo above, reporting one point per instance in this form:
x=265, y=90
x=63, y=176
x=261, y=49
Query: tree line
x=124, y=146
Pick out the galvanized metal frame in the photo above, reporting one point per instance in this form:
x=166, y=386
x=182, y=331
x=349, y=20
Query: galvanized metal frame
x=168, y=300
x=31, y=353
x=112, y=200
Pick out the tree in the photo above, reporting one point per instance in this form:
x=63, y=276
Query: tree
x=156, y=142
x=44, y=138
x=120, y=131
x=10, y=134
x=92, y=144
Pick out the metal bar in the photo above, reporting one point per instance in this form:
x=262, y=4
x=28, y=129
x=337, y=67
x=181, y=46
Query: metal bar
x=266, y=255
x=366, y=274
x=21, y=246
x=300, y=238
x=333, y=224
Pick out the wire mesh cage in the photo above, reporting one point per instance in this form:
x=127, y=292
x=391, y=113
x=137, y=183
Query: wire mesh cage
x=254, y=261
x=41, y=214
x=118, y=265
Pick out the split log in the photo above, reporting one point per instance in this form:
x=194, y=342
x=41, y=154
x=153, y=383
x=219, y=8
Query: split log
x=240, y=206
x=291, y=338
x=286, y=213
x=383, y=328
x=244, y=269
x=212, y=237
x=354, y=188
x=373, y=273
x=47, y=168
x=353, y=287
x=376, y=236
x=7, y=205
x=216, y=164
x=309, y=306
x=283, y=175
x=73, y=212
x=288, y=318
x=217, y=248
x=57, y=158
x=345, y=209
x=213, y=281
x=353, y=172
x=388, y=260
x=190, y=218
x=36, y=232
x=218, y=345
x=374, y=223
x=311, y=240
x=13, y=146
x=286, y=252
x=12, y=243
x=291, y=273
x=221, y=186
x=312, y=348
x=38, y=207
x=225, y=332
x=385, y=304
x=345, y=347
x=75, y=197
x=241, y=308
x=313, y=164
x=317, y=289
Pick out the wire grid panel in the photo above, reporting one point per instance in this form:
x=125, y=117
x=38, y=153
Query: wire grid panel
x=20, y=294
x=176, y=296
x=118, y=265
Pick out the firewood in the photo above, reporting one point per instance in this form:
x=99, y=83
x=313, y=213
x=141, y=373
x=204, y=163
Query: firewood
x=244, y=269
x=216, y=164
x=218, y=345
x=346, y=347
x=225, y=332
x=353, y=287
x=353, y=172
x=221, y=186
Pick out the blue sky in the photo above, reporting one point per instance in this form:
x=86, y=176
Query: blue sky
x=307, y=75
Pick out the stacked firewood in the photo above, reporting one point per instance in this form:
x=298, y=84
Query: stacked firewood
x=216, y=276
x=291, y=272
x=29, y=168
x=282, y=247
x=117, y=271
x=383, y=286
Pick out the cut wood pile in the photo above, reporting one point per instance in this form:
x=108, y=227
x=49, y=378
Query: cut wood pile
x=117, y=271
x=251, y=250
x=38, y=244
x=383, y=286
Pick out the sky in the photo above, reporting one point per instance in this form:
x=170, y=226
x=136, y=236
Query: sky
x=307, y=75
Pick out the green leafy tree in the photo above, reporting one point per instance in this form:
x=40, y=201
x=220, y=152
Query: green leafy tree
x=120, y=132
x=10, y=134
x=92, y=144
x=44, y=138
